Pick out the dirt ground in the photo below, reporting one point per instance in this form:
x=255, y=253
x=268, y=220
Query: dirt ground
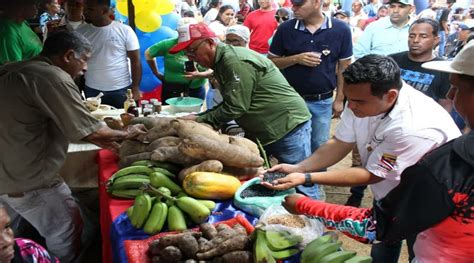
x=339, y=195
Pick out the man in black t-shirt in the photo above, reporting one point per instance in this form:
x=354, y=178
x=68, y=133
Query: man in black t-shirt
x=422, y=39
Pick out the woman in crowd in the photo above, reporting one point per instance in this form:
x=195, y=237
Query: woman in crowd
x=51, y=12
x=224, y=19
x=211, y=14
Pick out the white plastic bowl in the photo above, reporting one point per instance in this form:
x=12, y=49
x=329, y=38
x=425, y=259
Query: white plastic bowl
x=185, y=104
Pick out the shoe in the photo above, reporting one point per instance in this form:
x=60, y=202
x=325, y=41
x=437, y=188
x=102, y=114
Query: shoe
x=354, y=201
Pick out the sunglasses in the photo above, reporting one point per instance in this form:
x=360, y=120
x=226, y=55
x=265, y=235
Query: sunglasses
x=284, y=18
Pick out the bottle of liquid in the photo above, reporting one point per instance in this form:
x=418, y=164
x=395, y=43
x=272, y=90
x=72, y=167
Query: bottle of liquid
x=129, y=99
x=132, y=108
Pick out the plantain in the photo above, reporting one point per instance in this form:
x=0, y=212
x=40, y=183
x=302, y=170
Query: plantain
x=316, y=243
x=198, y=212
x=208, y=203
x=164, y=171
x=126, y=193
x=359, y=259
x=141, y=210
x=315, y=254
x=279, y=240
x=261, y=252
x=176, y=220
x=157, y=218
x=158, y=180
x=131, y=181
x=142, y=163
x=338, y=257
x=138, y=169
x=173, y=168
x=282, y=254
x=130, y=212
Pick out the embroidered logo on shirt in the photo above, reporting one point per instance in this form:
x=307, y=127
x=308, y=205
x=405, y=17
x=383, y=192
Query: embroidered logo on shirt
x=388, y=162
x=326, y=52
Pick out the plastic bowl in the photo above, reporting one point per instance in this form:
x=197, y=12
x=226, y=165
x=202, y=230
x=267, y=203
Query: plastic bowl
x=92, y=103
x=185, y=104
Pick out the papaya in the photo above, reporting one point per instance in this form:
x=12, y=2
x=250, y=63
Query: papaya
x=208, y=185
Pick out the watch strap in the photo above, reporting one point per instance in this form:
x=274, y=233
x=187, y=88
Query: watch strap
x=307, y=180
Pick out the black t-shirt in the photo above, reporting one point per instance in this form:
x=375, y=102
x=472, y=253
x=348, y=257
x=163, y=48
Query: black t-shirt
x=442, y=16
x=432, y=83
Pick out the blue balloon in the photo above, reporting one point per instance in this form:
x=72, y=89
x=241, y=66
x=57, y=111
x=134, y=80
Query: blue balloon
x=170, y=20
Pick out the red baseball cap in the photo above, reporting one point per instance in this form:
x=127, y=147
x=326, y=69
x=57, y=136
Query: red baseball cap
x=189, y=33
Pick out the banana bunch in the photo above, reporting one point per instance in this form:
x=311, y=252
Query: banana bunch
x=326, y=249
x=126, y=182
x=151, y=213
x=270, y=246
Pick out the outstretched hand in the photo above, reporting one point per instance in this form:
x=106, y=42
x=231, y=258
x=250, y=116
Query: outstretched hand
x=290, y=181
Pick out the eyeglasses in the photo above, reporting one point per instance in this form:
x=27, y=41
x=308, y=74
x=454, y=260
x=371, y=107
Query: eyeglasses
x=234, y=42
x=284, y=18
x=191, y=52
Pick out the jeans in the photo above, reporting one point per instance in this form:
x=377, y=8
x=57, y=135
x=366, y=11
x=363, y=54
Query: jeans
x=442, y=43
x=321, y=112
x=358, y=191
x=55, y=214
x=114, y=98
x=213, y=97
x=173, y=90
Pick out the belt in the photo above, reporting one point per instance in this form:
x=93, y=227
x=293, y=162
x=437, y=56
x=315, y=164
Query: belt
x=16, y=195
x=316, y=97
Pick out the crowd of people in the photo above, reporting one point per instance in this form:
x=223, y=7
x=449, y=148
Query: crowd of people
x=400, y=82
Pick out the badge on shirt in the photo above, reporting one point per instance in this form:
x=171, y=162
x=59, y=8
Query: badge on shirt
x=326, y=52
x=388, y=162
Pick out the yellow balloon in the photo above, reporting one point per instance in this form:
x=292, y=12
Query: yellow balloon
x=143, y=5
x=122, y=7
x=148, y=21
x=164, y=7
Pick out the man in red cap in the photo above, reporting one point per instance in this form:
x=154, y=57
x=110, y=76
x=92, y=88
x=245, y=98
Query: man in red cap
x=255, y=94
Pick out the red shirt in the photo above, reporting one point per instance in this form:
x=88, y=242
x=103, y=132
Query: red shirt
x=262, y=25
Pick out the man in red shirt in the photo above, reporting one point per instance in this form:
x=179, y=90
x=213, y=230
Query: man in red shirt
x=262, y=25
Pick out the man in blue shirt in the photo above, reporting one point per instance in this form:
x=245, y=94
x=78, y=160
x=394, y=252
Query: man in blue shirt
x=387, y=35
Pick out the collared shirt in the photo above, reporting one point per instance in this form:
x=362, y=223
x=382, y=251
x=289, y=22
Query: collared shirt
x=333, y=40
x=389, y=143
x=382, y=38
x=41, y=112
x=255, y=94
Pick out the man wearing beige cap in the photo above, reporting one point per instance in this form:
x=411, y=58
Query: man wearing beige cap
x=237, y=35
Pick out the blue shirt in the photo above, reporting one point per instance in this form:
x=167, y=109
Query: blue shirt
x=382, y=38
x=333, y=40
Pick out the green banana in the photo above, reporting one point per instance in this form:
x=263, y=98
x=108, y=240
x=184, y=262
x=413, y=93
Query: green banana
x=176, y=220
x=282, y=254
x=130, y=212
x=281, y=240
x=173, y=168
x=157, y=218
x=164, y=190
x=131, y=181
x=164, y=171
x=141, y=210
x=142, y=163
x=158, y=180
x=314, y=244
x=208, y=203
x=359, y=259
x=261, y=252
x=198, y=212
x=126, y=193
x=139, y=169
x=338, y=257
x=316, y=253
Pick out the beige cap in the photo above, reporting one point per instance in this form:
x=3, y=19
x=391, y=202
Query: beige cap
x=463, y=63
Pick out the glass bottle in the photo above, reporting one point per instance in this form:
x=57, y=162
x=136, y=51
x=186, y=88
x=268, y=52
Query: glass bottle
x=132, y=108
x=127, y=101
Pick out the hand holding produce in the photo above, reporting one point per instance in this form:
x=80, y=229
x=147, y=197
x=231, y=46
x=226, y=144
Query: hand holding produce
x=290, y=181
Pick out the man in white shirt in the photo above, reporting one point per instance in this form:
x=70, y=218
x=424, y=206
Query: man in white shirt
x=393, y=126
x=113, y=44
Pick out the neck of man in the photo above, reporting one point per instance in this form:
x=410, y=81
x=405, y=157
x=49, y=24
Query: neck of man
x=314, y=22
x=104, y=21
x=401, y=23
x=424, y=57
x=74, y=18
x=266, y=8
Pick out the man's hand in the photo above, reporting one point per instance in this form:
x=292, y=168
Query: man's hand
x=136, y=93
x=135, y=130
x=190, y=75
x=337, y=108
x=309, y=59
x=289, y=203
x=191, y=117
x=290, y=181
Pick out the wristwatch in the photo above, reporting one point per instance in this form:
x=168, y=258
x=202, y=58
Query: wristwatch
x=307, y=180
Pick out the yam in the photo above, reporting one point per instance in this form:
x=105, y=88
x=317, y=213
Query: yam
x=128, y=160
x=171, y=254
x=188, y=246
x=173, y=240
x=154, y=248
x=186, y=128
x=163, y=142
x=249, y=172
x=151, y=122
x=218, y=239
x=204, y=148
x=244, y=142
x=206, y=166
x=113, y=124
x=240, y=229
x=239, y=256
x=156, y=133
x=202, y=243
x=234, y=243
x=173, y=155
x=130, y=147
x=208, y=230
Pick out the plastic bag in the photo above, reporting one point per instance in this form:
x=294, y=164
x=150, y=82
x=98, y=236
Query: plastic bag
x=312, y=229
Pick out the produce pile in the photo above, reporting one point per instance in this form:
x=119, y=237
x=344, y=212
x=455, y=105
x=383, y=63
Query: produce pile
x=220, y=244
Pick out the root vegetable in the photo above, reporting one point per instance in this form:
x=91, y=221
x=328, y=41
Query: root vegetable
x=173, y=240
x=203, y=148
x=221, y=237
x=156, y=133
x=222, y=227
x=129, y=147
x=240, y=256
x=234, y=243
x=244, y=142
x=239, y=229
x=154, y=248
x=206, y=166
x=171, y=254
x=188, y=246
x=155, y=259
x=186, y=128
x=113, y=124
x=202, y=243
x=208, y=230
x=163, y=142
x=150, y=122
x=128, y=160
x=171, y=154
x=247, y=172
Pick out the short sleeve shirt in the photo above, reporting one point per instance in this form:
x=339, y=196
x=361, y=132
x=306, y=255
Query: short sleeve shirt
x=333, y=40
x=41, y=112
x=390, y=142
x=17, y=41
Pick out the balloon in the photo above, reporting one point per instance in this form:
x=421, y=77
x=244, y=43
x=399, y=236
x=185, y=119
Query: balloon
x=148, y=21
x=147, y=39
x=143, y=5
x=122, y=7
x=170, y=20
x=165, y=7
